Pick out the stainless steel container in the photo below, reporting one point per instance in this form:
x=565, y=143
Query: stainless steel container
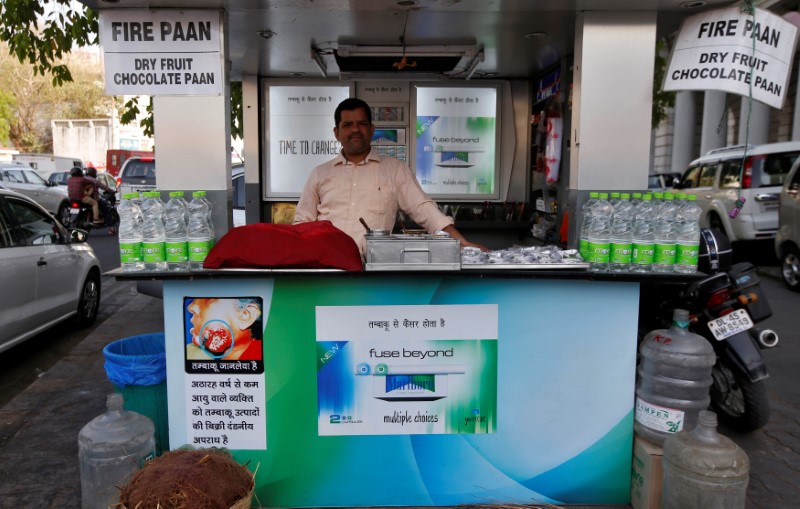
x=413, y=252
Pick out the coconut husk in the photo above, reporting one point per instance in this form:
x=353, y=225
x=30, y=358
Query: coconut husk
x=189, y=479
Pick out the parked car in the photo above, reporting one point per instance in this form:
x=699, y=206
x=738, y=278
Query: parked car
x=718, y=179
x=60, y=178
x=662, y=180
x=787, y=241
x=23, y=179
x=137, y=174
x=48, y=273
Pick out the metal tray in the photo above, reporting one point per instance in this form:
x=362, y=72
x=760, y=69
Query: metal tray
x=524, y=266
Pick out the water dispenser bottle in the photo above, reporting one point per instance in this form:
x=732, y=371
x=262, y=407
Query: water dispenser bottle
x=703, y=469
x=673, y=380
x=111, y=448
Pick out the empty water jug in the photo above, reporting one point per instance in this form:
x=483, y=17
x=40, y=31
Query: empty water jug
x=111, y=448
x=703, y=469
x=673, y=380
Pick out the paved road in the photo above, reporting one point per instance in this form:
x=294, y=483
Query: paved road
x=774, y=450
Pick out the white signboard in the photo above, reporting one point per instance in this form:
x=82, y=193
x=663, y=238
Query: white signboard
x=456, y=140
x=162, y=52
x=736, y=52
x=300, y=134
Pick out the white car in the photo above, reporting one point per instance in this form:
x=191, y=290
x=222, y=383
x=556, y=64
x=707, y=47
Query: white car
x=24, y=180
x=47, y=273
x=787, y=241
x=718, y=179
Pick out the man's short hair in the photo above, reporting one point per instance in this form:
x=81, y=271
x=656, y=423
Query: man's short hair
x=92, y=172
x=351, y=104
x=76, y=171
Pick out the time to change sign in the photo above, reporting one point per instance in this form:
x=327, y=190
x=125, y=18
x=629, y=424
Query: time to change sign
x=734, y=51
x=162, y=52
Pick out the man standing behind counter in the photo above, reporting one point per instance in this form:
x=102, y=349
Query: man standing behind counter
x=360, y=184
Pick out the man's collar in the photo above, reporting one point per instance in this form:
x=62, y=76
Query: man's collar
x=372, y=156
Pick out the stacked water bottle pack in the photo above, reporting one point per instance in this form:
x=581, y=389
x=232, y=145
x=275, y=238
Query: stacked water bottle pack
x=157, y=236
x=640, y=232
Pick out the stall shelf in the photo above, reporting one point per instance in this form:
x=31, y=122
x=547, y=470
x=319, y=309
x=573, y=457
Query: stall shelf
x=412, y=388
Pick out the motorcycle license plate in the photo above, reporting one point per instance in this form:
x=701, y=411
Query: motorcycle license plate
x=730, y=324
x=74, y=211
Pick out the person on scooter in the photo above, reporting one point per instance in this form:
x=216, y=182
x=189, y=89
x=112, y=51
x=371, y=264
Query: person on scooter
x=97, y=185
x=79, y=189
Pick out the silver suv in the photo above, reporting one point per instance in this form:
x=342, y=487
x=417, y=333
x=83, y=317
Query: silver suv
x=757, y=174
x=787, y=241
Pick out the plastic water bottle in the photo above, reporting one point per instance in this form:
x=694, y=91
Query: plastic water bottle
x=643, y=236
x=636, y=200
x=658, y=201
x=688, y=241
x=210, y=217
x=615, y=197
x=175, y=232
x=666, y=235
x=673, y=379
x=704, y=469
x=153, y=250
x=111, y=448
x=600, y=234
x=130, y=234
x=198, y=234
x=621, y=235
x=586, y=222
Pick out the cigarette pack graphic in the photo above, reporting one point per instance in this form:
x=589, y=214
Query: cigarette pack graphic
x=413, y=382
x=455, y=158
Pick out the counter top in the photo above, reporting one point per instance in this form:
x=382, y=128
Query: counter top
x=472, y=272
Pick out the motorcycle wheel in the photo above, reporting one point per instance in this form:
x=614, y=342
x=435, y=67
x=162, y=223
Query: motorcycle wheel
x=741, y=404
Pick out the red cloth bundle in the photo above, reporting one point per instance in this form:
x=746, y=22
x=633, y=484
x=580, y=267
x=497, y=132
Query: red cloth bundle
x=314, y=245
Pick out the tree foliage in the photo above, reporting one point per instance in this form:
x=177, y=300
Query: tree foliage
x=7, y=103
x=34, y=101
x=42, y=36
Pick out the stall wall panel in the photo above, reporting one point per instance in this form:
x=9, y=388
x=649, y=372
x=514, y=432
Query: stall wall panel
x=612, y=105
x=565, y=372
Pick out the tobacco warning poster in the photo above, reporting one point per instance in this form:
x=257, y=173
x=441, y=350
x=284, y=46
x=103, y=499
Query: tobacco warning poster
x=402, y=370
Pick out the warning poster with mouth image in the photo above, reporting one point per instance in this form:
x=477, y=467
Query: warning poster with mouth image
x=223, y=335
x=402, y=370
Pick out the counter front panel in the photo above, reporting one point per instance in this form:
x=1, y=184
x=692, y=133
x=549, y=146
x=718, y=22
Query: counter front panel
x=408, y=390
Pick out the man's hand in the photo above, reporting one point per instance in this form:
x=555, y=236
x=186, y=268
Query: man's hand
x=451, y=230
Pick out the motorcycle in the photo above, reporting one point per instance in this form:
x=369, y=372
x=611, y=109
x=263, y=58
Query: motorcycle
x=724, y=308
x=79, y=215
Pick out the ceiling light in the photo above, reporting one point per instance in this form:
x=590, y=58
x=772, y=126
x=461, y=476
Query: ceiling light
x=266, y=34
x=692, y=5
x=536, y=35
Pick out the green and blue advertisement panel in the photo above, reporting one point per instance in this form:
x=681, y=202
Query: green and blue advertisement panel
x=399, y=390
